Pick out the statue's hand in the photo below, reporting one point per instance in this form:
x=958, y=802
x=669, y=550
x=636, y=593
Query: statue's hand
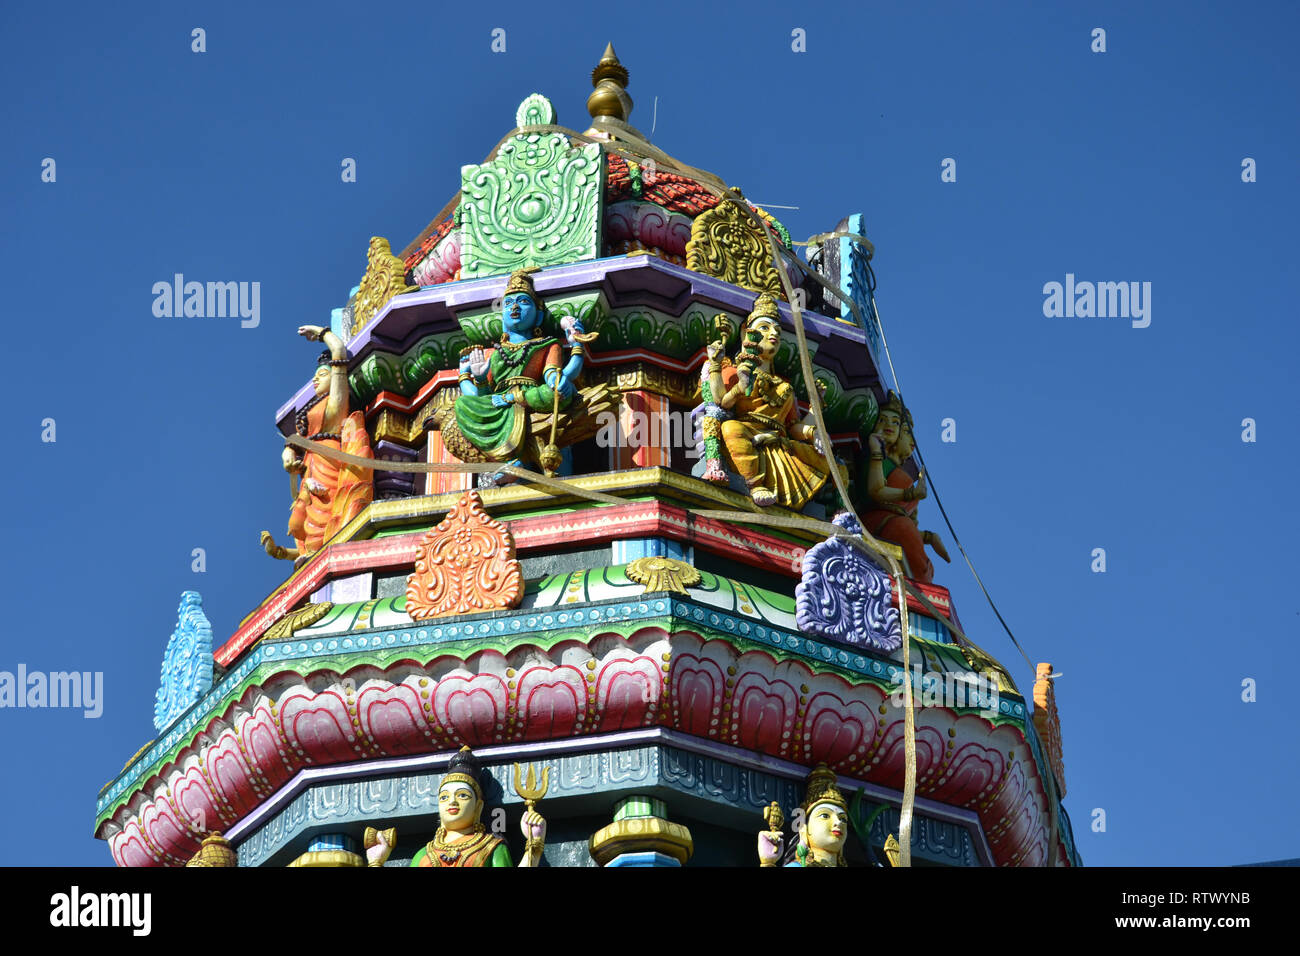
x=875, y=444
x=572, y=327
x=533, y=826
x=312, y=333
x=714, y=349
x=765, y=438
x=501, y=400
x=565, y=387
x=476, y=363
x=377, y=854
x=918, y=489
x=315, y=487
x=770, y=846
x=288, y=458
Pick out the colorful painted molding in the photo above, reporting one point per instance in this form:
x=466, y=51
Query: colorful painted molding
x=187, y=663
x=466, y=564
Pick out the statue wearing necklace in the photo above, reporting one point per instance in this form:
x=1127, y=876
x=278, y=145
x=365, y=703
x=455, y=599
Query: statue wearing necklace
x=461, y=838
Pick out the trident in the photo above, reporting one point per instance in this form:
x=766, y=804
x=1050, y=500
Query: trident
x=529, y=790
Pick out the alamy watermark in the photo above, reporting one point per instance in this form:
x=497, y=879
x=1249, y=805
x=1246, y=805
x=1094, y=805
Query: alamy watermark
x=950, y=689
x=639, y=429
x=64, y=689
x=210, y=300
x=1102, y=300
x=126, y=910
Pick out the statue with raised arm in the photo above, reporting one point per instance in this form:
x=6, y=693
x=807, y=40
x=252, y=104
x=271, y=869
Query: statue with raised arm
x=893, y=492
x=461, y=838
x=519, y=403
x=331, y=493
x=822, y=822
x=825, y=824
x=769, y=445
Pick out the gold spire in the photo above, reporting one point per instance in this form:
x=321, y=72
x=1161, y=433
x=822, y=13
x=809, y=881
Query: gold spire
x=609, y=98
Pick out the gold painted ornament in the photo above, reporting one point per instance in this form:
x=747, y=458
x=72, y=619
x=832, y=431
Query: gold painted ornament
x=385, y=277
x=725, y=242
x=663, y=574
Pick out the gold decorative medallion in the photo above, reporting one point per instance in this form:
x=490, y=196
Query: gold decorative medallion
x=663, y=574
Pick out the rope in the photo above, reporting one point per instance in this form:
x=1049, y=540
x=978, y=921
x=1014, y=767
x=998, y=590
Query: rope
x=632, y=146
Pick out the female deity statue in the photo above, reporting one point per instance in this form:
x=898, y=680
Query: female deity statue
x=822, y=832
x=461, y=838
x=893, y=493
x=331, y=493
x=776, y=453
x=524, y=374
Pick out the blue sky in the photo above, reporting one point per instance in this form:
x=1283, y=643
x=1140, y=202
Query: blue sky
x=1072, y=434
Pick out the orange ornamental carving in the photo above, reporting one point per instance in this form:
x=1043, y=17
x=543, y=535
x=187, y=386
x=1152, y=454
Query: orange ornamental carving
x=464, y=565
x=1048, y=723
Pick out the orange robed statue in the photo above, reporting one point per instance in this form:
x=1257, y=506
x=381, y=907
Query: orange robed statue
x=331, y=493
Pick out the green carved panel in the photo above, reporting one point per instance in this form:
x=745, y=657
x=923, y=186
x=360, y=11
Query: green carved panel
x=405, y=374
x=676, y=337
x=536, y=204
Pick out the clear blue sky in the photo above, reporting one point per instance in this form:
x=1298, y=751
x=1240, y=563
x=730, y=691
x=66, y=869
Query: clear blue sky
x=1073, y=434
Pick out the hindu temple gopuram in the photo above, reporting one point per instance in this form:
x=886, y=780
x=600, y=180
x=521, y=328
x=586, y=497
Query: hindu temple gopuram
x=607, y=548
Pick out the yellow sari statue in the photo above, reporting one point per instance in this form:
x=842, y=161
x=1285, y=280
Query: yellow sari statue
x=769, y=445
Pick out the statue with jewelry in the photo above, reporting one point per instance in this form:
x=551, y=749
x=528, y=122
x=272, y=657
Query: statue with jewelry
x=330, y=493
x=893, y=492
x=822, y=824
x=519, y=402
x=461, y=838
x=768, y=444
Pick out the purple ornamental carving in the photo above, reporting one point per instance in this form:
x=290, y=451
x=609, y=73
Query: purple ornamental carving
x=845, y=597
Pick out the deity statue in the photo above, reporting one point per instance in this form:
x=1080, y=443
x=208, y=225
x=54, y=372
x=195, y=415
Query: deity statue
x=331, y=493
x=823, y=829
x=509, y=397
x=461, y=838
x=893, y=493
x=777, y=453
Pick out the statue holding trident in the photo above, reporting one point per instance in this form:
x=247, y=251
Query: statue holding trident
x=462, y=839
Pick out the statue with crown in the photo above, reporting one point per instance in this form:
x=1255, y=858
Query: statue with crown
x=822, y=823
x=461, y=838
x=773, y=449
x=519, y=402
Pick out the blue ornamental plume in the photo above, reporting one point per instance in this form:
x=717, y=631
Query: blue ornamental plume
x=845, y=597
x=187, y=664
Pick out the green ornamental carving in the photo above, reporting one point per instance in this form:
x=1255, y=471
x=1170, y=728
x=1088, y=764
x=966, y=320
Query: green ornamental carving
x=536, y=204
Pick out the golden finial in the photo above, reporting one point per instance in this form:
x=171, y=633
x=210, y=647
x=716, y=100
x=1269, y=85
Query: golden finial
x=609, y=98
